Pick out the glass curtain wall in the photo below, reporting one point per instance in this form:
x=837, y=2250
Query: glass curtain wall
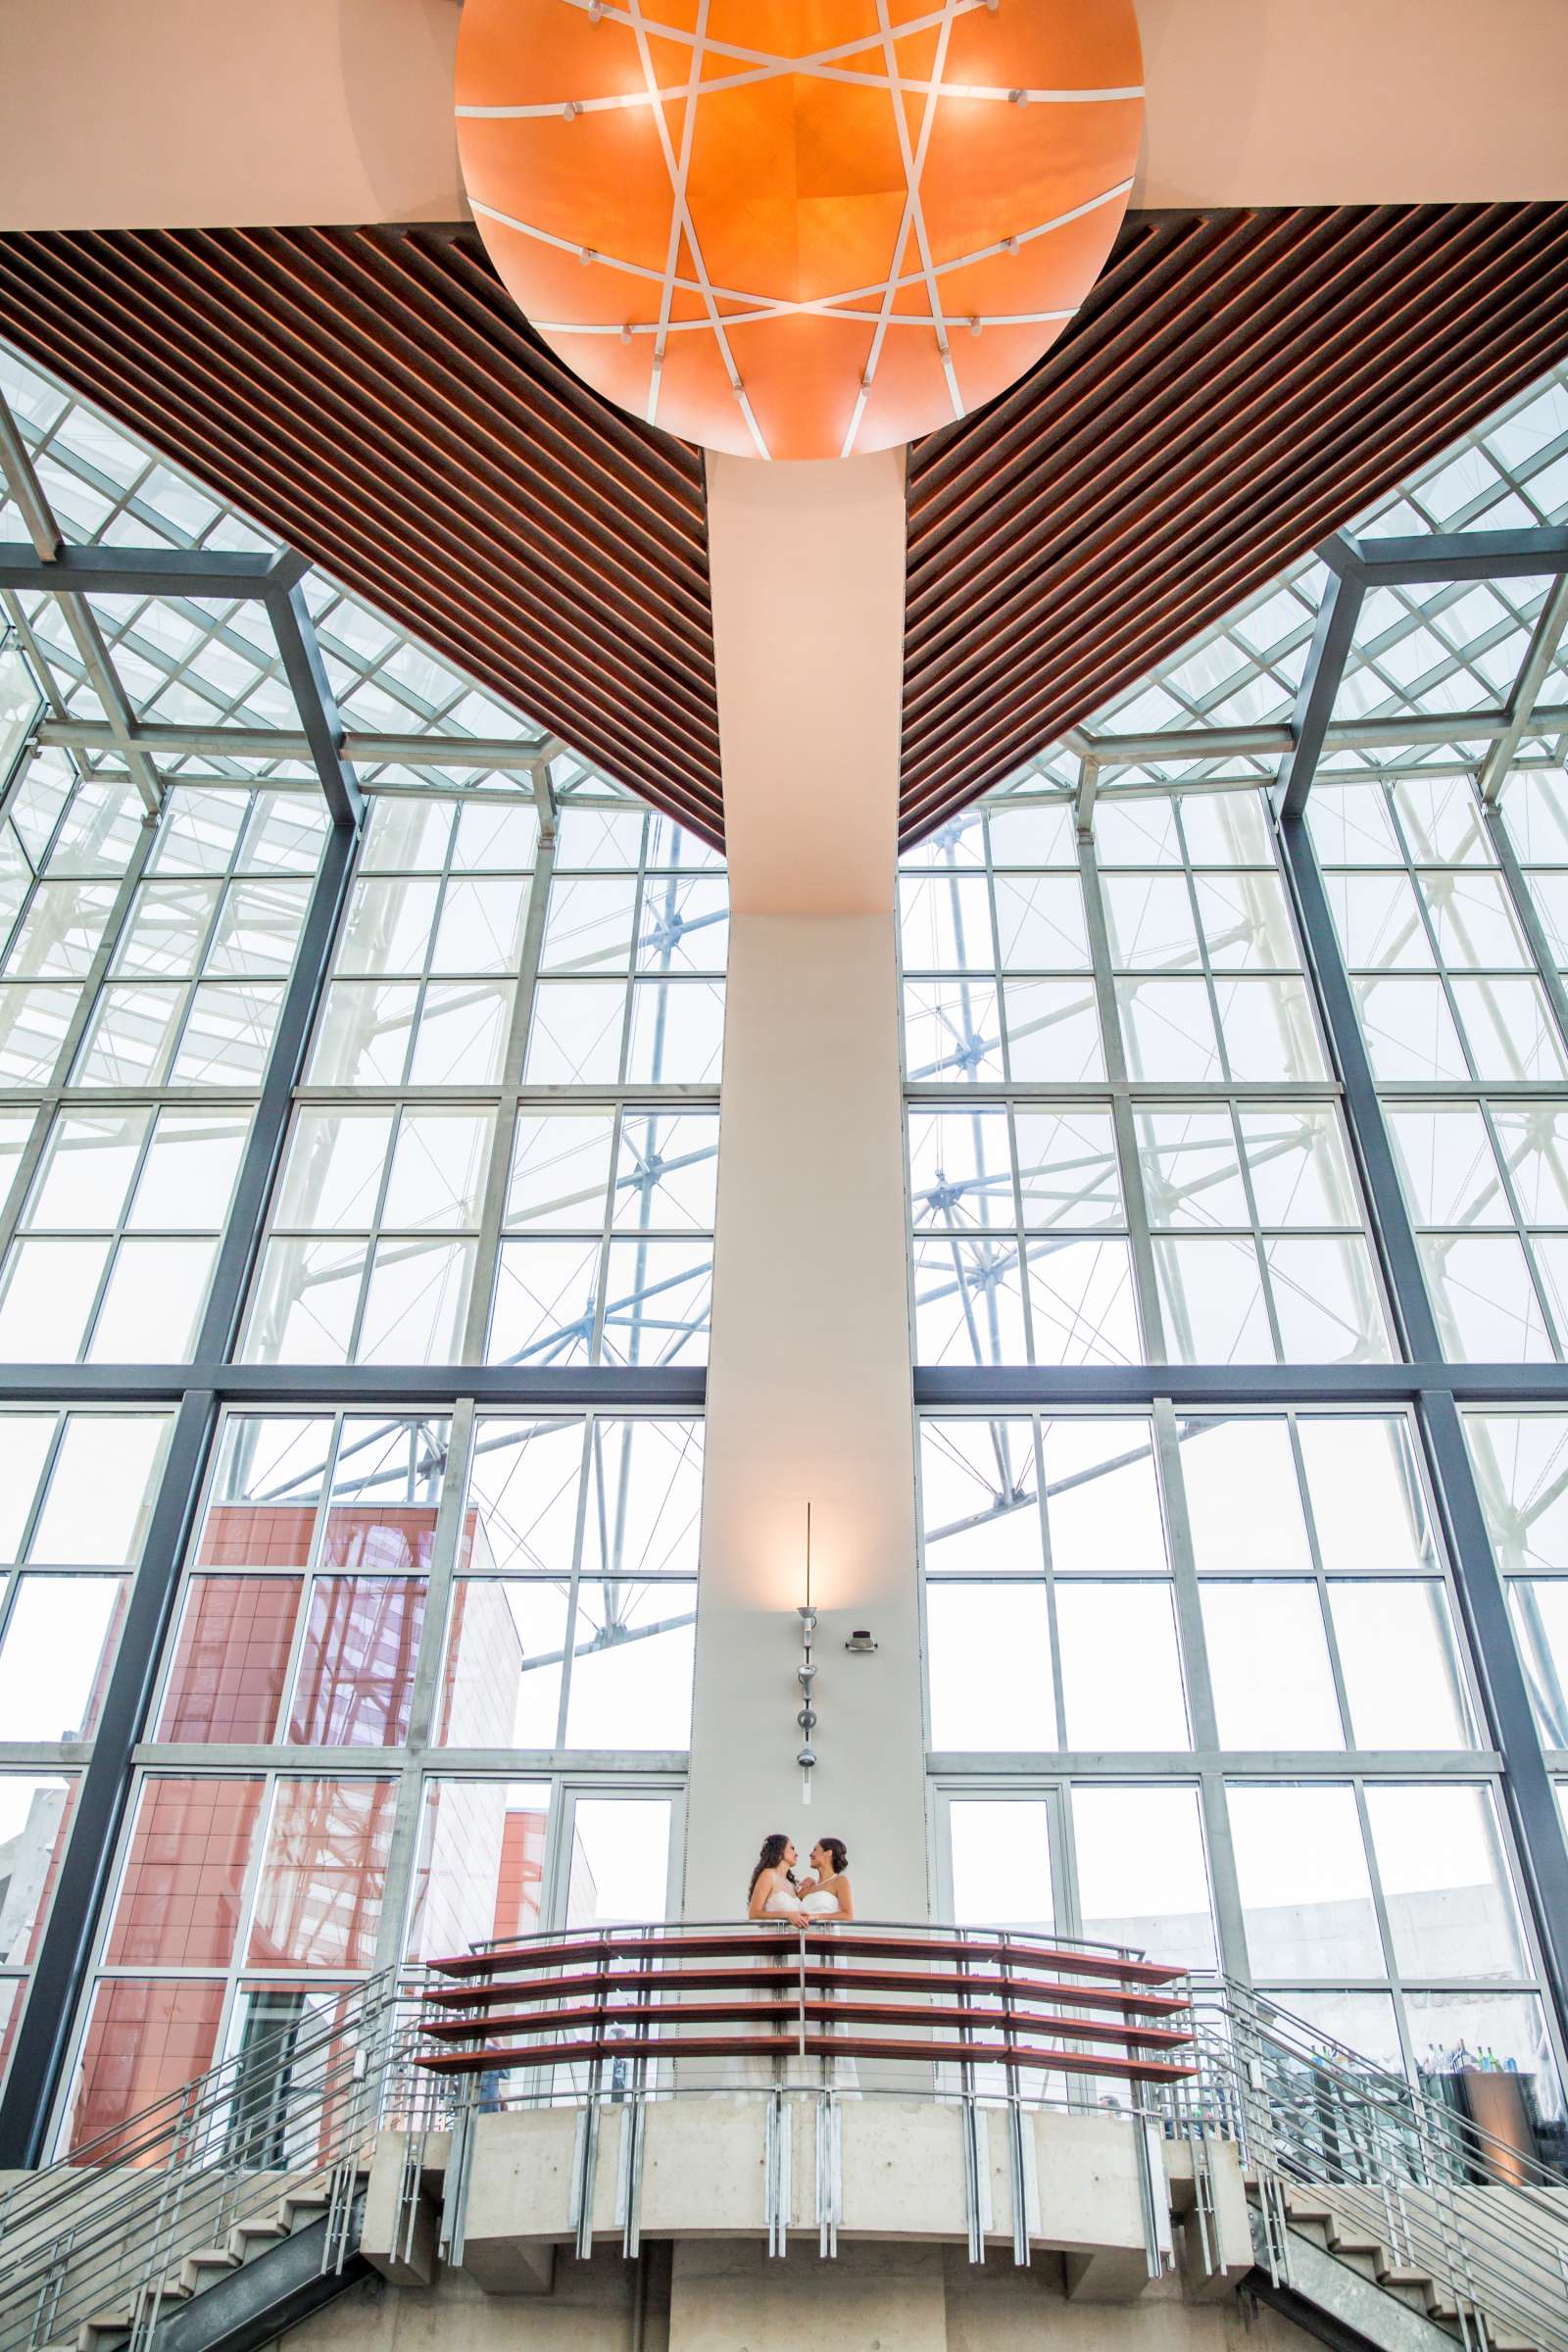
x=1198, y=1675
x=428, y=1671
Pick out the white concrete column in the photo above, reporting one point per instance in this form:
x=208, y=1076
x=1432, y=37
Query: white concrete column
x=810, y=1393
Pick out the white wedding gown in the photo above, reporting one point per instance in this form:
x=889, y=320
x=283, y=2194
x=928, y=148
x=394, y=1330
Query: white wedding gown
x=842, y=2072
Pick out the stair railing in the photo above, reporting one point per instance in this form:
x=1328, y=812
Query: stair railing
x=101, y=2235
x=1478, y=2216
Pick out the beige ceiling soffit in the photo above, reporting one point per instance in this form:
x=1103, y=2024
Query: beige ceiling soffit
x=179, y=113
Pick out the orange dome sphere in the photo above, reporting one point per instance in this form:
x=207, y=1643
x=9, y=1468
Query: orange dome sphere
x=799, y=228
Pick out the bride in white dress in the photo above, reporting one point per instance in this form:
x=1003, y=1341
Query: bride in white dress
x=827, y=1898
x=772, y=1895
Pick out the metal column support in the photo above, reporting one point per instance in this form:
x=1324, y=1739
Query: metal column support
x=43, y=2039
x=270, y=1126
x=305, y=674
x=1336, y=617
x=1392, y=1230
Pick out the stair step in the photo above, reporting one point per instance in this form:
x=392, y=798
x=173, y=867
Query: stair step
x=199, y=2270
x=298, y=2211
x=115, y=2319
x=1352, y=2239
x=247, y=2236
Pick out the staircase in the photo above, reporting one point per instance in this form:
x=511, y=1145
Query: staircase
x=217, y=2215
x=1372, y=2216
x=1371, y=2200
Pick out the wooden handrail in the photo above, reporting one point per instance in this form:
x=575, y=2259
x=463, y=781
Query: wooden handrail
x=718, y=1944
x=844, y=2006
x=783, y=1966
x=810, y=2045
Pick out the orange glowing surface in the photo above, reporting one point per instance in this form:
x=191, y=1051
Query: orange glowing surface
x=799, y=228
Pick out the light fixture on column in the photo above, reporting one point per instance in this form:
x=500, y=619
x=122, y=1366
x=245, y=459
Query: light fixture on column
x=805, y=1674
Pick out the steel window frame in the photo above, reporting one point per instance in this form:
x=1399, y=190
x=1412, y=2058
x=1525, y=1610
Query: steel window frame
x=1428, y=1384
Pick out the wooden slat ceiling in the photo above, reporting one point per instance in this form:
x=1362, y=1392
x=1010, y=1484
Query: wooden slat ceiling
x=375, y=398
x=1236, y=386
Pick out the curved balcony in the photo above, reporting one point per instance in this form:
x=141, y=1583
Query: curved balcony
x=900, y=2001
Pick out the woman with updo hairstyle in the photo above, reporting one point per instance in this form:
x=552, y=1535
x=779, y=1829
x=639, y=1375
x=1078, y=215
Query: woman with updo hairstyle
x=827, y=1891
x=827, y=1899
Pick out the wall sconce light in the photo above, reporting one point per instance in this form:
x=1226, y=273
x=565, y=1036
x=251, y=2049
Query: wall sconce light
x=860, y=1641
x=805, y=1674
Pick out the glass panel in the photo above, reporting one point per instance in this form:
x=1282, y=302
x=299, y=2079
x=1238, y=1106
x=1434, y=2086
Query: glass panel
x=1479, y=2051
x=56, y=1654
x=1102, y=1498
x=1082, y=1310
x=1450, y=1910
x=1001, y=1851
x=1326, y=1300
x=1169, y=1028
x=645, y=1498
x=1485, y=1299
x=1365, y=1492
x=560, y=1168
x=1306, y=1898
x=180, y=1900
x=319, y=1895
x=1242, y=1499
x=978, y=1492
x=35, y=1819
x=1212, y=1299
x=1363, y=2021
x=1192, y=1168
x=505, y=1648
x=952, y=1032
x=152, y=1304
x=145, y=2039
x=1520, y=1461
x=1142, y=1880
x=618, y=1865
x=632, y=1670
x=480, y=1870
x=988, y=1653
x=1541, y=1625
x=231, y=1661
x=355, y=1682
x=101, y=1489
x=1120, y=1674
x=1269, y=1662
x=1068, y=1171
x=1053, y=1033
x=1423, y=1703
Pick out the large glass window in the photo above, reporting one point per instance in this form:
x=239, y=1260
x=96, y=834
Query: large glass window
x=484, y=1133
x=550, y=1216
x=1161, y=1173
x=75, y=1495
